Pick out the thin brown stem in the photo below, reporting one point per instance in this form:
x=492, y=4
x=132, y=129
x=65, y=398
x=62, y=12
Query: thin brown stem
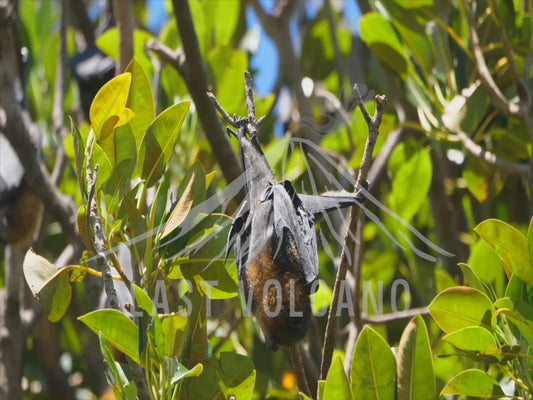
x=298, y=367
x=495, y=93
x=355, y=225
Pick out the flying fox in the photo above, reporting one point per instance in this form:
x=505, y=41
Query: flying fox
x=274, y=239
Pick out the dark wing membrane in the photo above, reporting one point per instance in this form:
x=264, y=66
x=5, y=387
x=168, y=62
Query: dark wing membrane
x=318, y=205
x=295, y=228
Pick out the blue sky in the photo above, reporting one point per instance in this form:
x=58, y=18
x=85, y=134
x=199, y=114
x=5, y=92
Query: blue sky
x=266, y=60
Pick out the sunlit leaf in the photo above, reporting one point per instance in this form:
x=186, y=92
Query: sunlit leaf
x=416, y=378
x=117, y=328
x=373, y=368
x=141, y=101
x=337, y=385
x=411, y=184
x=460, y=307
x=158, y=143
x=378, y=33
x=110, y=100
x=50, y=284
x=510, y=244
x=472, y=338
x=473, y=382
x=231, y=374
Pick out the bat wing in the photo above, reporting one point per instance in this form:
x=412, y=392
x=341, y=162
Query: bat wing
x=294, y=231
x=318, y=205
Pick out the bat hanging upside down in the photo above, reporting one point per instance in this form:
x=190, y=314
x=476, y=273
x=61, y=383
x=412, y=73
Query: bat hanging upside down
x=275, y=245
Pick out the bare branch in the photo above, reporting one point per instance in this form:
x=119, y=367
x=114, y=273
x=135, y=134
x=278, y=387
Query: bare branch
x=277, y=27
x=297, y=364
x=355, y=225
x=491, y=158
x=484, y=73
x=123, y=12
x=523, y=92
x=198, y=87
x=228, y=118
x=98, y=239
x=176, y=58
x=394, y=317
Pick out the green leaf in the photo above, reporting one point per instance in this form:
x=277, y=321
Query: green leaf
x=511, y=246
x=231, y=374
x=373, y=368
x=119, y=377
x=472, y=338
x=182, y=372
x=485, y=262
x=472, y=280
x=50, y=284
x=174, y=328
x=411, y=184
x=117, y=328
x=181, y=210
x=105, y=165
x=79, y=153
x=459, y=307
x=141, y=101
x=158, y=143
x=109, y=41
x=378, y=33
x=228, y=65
x=224, y=17
x=136, y=225
x=519, y=313
x=121, y=152
x=530, y=244
x=110, y=101
x=337, y=385
x=416, y=378
x=473, y=382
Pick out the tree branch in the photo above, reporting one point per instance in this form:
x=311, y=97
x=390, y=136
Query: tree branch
x=523, y=92
x=176, y=58
x=491, y=158
x=394, y=317
x=98, y=240
x=198, y=87
x=277, y=27
x=297, y=364
x=123, y=13
x=495, y=93
x=355, y=225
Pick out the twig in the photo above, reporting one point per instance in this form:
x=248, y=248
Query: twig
x=394, y=317
x=253, y=123
x=484, y=73
x=123, y=13
x=345, y=118
x=98, y=239
x=176, y=58
x=297, y=364
x=99, y=245
x=228, y=118
x=356, y=222
x=277, y=27
x=198, y=87
x=491, y=158
x=523, y=92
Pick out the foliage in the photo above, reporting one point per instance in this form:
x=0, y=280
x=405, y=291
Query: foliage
x=451, y=223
